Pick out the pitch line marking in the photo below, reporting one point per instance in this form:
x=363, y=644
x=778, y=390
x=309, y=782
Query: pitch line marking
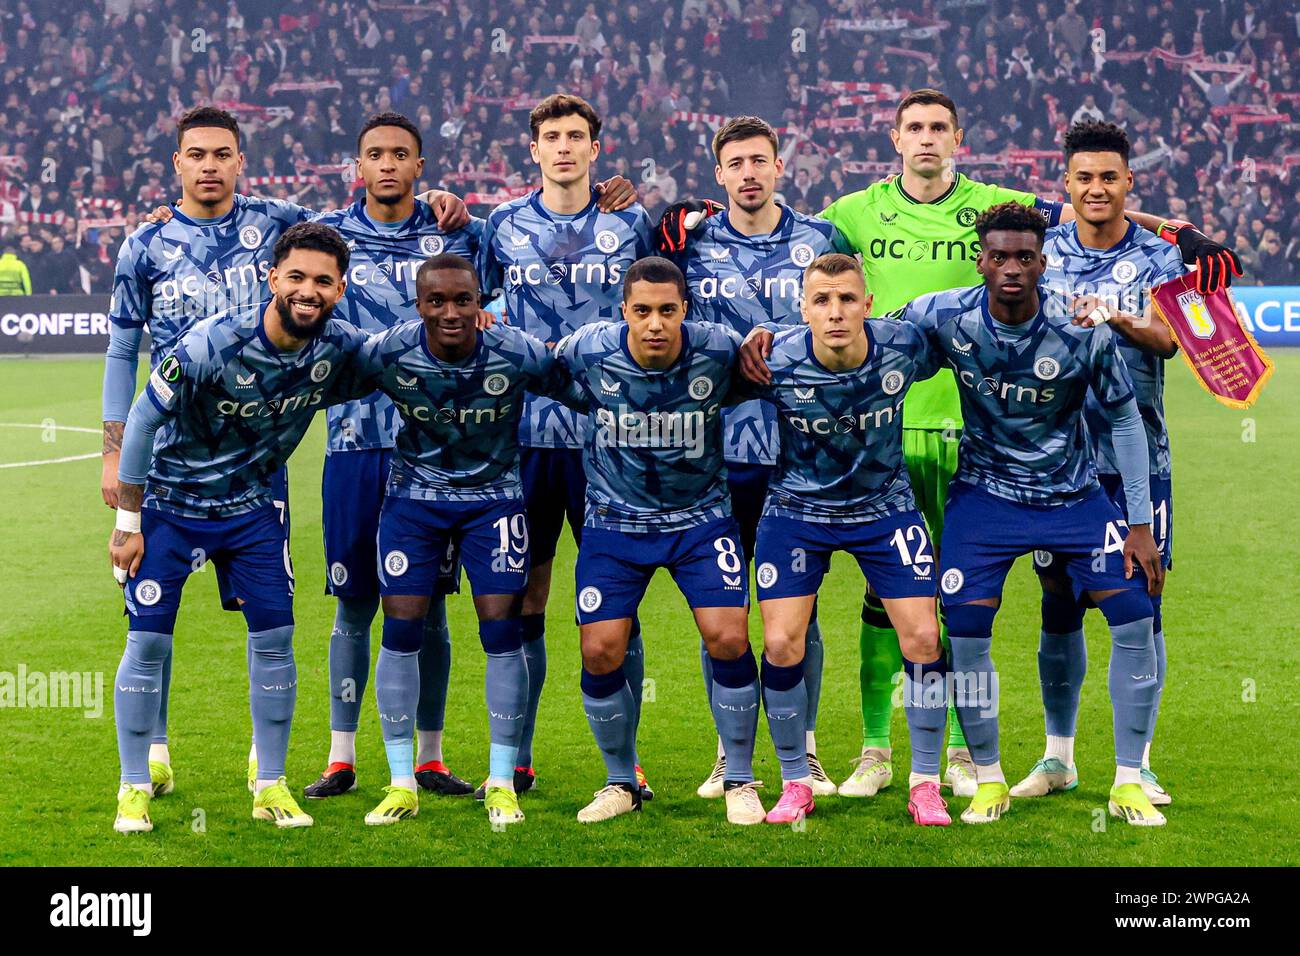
x=50, y=461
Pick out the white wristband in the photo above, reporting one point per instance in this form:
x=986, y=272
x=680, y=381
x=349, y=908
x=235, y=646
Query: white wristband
x=128, y=521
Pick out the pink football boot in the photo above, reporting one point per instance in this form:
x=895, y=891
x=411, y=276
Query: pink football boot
x=796, y=803
x=928, y=809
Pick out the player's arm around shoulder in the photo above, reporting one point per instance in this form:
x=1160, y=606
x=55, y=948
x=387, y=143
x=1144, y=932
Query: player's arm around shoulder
x=369, y=356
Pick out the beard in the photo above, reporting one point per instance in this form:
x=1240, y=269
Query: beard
x=388, y=200
x=295, y=326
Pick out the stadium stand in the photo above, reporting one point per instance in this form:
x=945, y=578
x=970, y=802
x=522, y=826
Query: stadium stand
x=1207, y=90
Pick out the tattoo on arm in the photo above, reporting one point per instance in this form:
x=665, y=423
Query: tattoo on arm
x=129, y=497
x=113, y=437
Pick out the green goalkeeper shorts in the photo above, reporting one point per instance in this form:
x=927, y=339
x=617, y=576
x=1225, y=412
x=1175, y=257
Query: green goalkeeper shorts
x=931, y=457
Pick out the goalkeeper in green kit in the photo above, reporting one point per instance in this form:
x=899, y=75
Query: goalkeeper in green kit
x=915, y=234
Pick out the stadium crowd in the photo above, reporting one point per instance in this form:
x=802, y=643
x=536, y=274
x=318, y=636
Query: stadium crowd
x=92, y=88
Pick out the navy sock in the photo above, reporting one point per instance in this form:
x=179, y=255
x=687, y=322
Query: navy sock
x=534, y=637
x=1062, y=663
x=273, y=692
x=350, y=660
x=925, y=701
x=136, y=699
x=785, y=699
x=813, y=659
x=735, y=712
x=607, y=700
x=164, y=695
x=435, y=667
x=975, y=682
x=1132, y=676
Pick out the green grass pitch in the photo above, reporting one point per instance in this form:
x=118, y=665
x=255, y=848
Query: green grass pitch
x=1224, y=745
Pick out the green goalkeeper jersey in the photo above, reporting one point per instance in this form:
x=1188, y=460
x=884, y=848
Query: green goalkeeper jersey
x=910, y=248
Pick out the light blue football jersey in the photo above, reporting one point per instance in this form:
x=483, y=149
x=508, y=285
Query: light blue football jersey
x=380, y=294
x=1022, y=392
x=237, y=407
x=741, y=281
x=173, y=274
x=459, y=437
x=654, y=437
x=841, y=449
x=1123, y=276
x=558, y=273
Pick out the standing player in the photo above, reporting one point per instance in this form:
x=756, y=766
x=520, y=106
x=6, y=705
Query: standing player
x=1102, y=261
x=560, y=260
x=656, y=497
x=744, y=267
x=455, y=479
x=210, y=252
x=837, y=385
x=227, y=405
x=390, y=233
x=915, y=233
x=1026, y=481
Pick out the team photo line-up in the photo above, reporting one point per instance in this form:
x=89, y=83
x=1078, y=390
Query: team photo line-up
x=935, y=375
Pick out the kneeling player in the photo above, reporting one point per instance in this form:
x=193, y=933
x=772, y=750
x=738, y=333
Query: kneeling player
x=657, y=498
x=228, y=406
x=841, y=485
x=454, y=479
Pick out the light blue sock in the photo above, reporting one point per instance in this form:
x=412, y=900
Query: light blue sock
x=164, y=695
x=607, y=700
x=507, y=692
x=735, y=712
x=634, y=668
x=350, y=660
x=1158, y=636
x=1062, y=662
x=925, y=701
x=534, y=636
x=814, y=652
x=273, y=691
x=785, y=699
x=1132, y=675
x=975, y=681
x=136, y=694
x=397, y=690
x=706, y=667
x=435, y=667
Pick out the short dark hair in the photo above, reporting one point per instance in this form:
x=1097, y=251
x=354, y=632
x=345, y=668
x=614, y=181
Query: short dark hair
x=926, y=97
x=1010, y=217
x=206, y=116
x=563, y=104
x=447, y=260
x=312, y=235
x=744, y=127
x=1091, y=136
x=657, y=270
x=833, y=264
x=390, y=118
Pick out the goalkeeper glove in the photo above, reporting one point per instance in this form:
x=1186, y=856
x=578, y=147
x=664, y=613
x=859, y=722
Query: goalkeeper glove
x=1215, y=264
x=679, y=220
